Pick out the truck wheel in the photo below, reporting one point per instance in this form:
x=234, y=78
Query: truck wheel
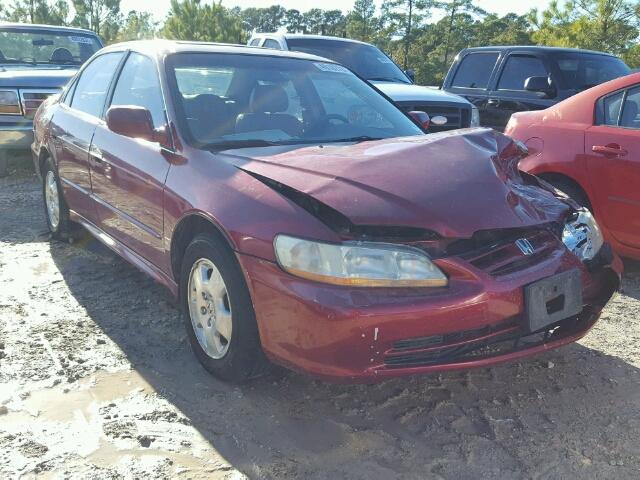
x=218, y=312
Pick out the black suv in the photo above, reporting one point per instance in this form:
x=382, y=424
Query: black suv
x=500, y=81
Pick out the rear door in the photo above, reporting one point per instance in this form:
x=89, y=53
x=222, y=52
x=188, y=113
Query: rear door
x=509, y=96
x=472, y=79
x=128, y=174
x=72, y=129
x=612, y=148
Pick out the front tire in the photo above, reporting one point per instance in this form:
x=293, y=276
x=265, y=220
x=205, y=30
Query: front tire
x=55, y=208
x=218, y=312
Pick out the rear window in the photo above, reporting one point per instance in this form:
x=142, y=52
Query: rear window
x=517, y=69
x=475, y=70
x=39, y=46
x=585, y=70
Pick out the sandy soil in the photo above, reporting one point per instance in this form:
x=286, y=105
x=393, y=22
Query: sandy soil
x=97, y=381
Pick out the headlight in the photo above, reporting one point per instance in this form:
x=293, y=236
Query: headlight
x=475, y=117
x=582, y=235
x=358, y=264
x=9, y=103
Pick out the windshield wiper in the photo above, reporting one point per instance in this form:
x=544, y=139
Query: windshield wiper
x=387, y=79
x=360, y=138
x=231, y=144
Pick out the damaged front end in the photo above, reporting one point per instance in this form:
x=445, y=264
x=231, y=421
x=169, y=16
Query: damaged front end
x=454, y=232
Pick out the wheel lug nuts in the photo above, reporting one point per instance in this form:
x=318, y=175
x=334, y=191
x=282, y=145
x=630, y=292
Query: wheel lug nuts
x=203, y=310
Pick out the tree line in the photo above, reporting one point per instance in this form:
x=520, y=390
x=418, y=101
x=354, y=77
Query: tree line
x=423, y=35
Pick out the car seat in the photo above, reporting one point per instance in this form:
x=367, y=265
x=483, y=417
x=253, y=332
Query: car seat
x=61, y=55
x=267, y=104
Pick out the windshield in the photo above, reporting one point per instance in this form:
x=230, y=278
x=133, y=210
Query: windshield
x=53, y=47
x=227, y=100
x=366, y=60
x=585, y=70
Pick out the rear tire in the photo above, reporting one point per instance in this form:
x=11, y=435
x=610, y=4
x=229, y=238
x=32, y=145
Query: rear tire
x=56, y=210
x=218, y=312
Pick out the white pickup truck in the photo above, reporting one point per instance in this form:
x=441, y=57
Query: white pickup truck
x=370, y=63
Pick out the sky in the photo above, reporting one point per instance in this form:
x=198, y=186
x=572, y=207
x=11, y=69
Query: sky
x=159, y=8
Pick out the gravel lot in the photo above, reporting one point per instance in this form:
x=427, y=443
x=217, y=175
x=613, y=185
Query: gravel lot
x=97, y=381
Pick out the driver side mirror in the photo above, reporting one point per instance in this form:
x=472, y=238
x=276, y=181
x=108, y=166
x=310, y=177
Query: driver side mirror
x=411, y=74
x=421, y=118
x=134, y=122
x=539, y=85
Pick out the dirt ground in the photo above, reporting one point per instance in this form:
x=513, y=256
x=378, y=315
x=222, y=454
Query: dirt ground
x=97, y=381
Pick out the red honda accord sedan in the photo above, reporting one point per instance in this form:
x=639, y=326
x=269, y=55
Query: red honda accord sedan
x=299, y=216
x=588, y=146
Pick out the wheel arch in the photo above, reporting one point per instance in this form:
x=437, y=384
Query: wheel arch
x=557, y=177
x=186, y=229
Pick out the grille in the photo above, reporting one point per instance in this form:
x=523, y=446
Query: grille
x=500, y=255
x=31, y=100
x=456, y=117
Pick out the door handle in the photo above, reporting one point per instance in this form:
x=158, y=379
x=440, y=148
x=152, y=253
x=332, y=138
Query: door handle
x=611, y=149
x=493, y=102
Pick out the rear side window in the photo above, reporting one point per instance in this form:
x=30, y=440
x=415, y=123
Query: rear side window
x=630, y=117
x=475, y=70
x=91, y=89
x=254, y=42
x=517, y=69
x=268, y=43
x=609, y=109
x=138, y=85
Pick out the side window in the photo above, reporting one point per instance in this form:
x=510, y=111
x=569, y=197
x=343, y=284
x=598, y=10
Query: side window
x=630, y=117
x=91, y=89
x=609, y=109
x=254, y=42
x=270, y=43
x=475, y=70
x=138, y=85
x=517, y=69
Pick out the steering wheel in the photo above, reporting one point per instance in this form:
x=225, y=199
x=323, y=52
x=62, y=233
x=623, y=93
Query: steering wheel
x=336, y=116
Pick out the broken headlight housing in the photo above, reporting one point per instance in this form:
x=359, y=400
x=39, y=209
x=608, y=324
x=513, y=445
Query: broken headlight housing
x=582, y=235
x=359, y=264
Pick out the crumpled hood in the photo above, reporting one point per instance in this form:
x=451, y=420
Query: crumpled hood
x=36, y=77
x=454, y=183
x=404, y=92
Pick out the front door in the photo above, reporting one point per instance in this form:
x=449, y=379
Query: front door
x=128, y=174
x=612, y=150
x=72, y=129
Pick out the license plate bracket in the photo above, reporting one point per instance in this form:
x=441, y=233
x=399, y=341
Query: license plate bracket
x=552, y=299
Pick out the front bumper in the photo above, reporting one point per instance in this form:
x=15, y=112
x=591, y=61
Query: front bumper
x=364, y=335
x=16, y=135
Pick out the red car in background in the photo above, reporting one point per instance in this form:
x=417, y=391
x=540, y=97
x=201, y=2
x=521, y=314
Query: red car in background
x=588, y=146
x=298, y=214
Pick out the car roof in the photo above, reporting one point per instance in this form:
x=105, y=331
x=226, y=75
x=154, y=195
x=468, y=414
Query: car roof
x=288, y=36
x=164, y=47
x=37, y=26
x=535, y=47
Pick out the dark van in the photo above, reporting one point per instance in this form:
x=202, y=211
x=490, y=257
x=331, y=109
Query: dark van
x=500, y=81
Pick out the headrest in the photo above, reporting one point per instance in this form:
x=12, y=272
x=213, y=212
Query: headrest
x=61, y=55
x=269, y=98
